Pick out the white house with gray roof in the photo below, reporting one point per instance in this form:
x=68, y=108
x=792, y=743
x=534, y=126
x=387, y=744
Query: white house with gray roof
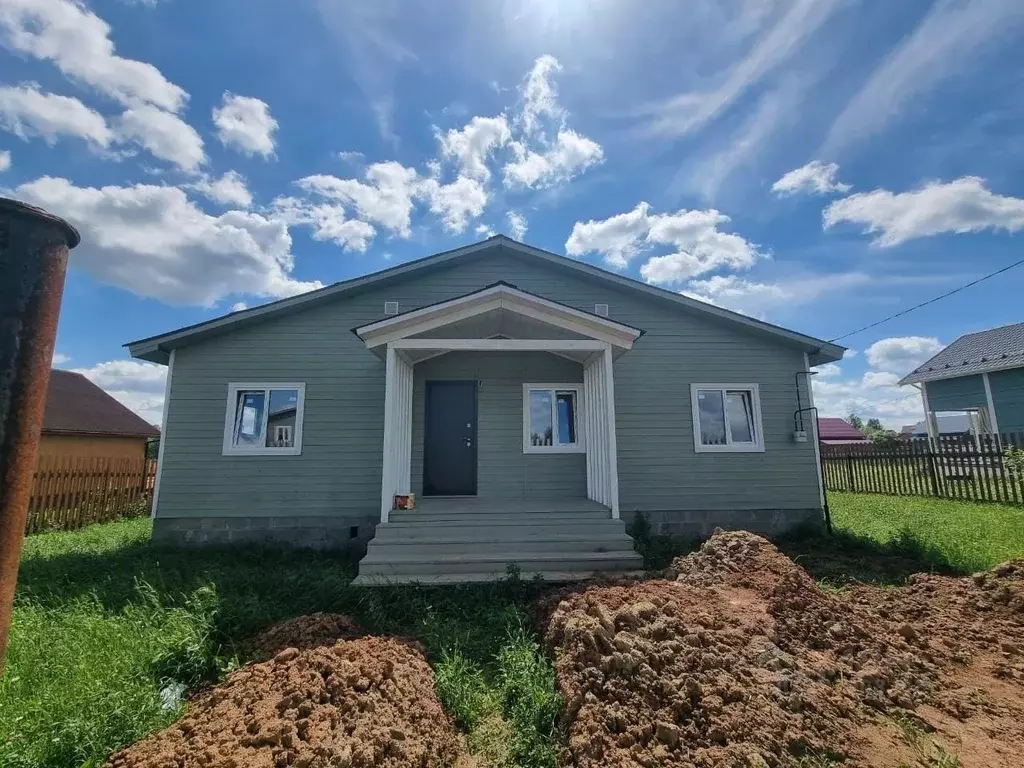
x=981, y=374
x=534, y=405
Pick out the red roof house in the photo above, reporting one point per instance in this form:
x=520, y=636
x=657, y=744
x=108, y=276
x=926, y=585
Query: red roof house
x=833, y=431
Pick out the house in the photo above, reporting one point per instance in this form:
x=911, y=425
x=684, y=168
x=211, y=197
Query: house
x=81, y=420
x=957, y=424
x=534, y=404
x=980, y=375
x=833, y=431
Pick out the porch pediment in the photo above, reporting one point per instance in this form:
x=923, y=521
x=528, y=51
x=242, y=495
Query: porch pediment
x=498, y=313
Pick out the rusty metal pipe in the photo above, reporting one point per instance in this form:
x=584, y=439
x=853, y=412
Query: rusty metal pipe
x=34, y=248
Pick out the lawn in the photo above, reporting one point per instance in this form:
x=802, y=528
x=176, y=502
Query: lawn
x=108, y=627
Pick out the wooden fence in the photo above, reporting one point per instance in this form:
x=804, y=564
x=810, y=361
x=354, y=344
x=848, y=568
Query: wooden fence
x=71, y=492
x=951, y=467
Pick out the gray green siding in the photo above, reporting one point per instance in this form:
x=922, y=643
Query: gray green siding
x=957, y=394
x=1008, y=398
x=503, y=470
x=338, y=472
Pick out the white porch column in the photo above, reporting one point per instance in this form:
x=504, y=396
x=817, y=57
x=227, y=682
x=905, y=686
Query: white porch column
x=397, y=455
x=613, y=450
x=993, y=423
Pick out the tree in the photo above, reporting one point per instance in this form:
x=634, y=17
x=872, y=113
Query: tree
x=855, y=421
x=874, y=425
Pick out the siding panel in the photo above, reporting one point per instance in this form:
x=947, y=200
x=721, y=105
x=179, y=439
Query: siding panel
x=957, y=394
x=339, y=469
x=1008, y=398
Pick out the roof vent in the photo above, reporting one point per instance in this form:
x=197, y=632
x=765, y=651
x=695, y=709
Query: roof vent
x=390, y=307
x=601, y=309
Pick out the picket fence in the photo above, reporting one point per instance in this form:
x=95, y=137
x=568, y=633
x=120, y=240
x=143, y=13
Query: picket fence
x=951, y=467
x=70, y=492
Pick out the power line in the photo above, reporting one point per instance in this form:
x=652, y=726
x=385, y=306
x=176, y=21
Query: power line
x=931, y=301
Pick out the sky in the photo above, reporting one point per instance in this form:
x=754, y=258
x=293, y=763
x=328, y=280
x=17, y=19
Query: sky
x=820, y=164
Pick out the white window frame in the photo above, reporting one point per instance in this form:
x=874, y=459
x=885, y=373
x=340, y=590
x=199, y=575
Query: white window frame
x=230, y=449
x=730, y=447
x=580, y=445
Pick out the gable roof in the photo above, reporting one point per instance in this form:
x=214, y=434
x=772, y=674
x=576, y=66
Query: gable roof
x=831, y=428
x=76, y=406
x=157, y=348
x=993, y=350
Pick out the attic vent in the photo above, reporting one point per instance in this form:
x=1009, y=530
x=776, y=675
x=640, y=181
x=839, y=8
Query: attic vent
x=601, y=309
x=390, y=307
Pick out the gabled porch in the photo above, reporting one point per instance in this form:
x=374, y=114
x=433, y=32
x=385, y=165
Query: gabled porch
x=500, y=415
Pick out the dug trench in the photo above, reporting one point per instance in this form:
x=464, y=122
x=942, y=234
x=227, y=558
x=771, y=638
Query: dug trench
x=735, y=657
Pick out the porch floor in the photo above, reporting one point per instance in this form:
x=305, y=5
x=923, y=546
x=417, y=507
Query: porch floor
x=462, y=539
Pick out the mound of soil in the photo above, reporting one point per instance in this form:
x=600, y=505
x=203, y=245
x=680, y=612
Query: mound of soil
x=363, y=702
x=302, y=632
x=744, y=661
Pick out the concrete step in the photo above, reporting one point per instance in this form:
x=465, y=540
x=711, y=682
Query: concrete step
x=386, y=532
x=414, y=565
x=378, y=580
x=496, y=518
x=382, y=551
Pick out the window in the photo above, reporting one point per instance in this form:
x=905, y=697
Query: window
x=551, y=422
x=726, y=417
x=264, y=419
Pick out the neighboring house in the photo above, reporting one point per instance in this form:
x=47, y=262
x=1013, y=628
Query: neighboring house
x=81, y=420
x=955, y=424
x=833, y=431
x=981, y=374
x=533, y=403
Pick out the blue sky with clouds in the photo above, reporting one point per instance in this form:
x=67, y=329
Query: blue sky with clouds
x=817, y=164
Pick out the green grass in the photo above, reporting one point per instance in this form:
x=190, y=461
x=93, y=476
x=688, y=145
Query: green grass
x=105, y=621
x=962, y=536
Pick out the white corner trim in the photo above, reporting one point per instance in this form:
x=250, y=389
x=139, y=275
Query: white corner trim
x=580, y=446
x=991, y=404
x=613, y=449
x=163, y=435
x=756, y=447
x=818, y=468
x=227, y=449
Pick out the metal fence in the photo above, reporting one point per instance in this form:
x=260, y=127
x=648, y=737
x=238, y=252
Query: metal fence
x=71, y=492
x=966, y=468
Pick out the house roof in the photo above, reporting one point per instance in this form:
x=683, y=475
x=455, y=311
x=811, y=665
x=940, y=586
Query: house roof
x=993, y=350
x=76, y=406
x=157, y=348
x=830, y=428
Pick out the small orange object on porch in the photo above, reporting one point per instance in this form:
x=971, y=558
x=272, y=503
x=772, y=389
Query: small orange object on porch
x=405, y=501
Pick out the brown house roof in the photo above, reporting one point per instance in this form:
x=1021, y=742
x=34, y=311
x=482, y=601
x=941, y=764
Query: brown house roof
x=76, y=406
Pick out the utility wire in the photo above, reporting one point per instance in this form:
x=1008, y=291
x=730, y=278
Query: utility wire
x=931, y=301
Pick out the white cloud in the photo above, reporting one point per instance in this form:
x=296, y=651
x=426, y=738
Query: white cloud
x=569, y=156
x=872, y=396
x=153, y=241
x=455, y=203
x=828, y=371
x=540, y=95
x=229, y=189
x=26, y=111
x=5, y=161
x=755, y=298
x=352, y=157
x=475, y=143
x=902, y=354
x=849, y=353
x=963, y=205
x=238, y=306
x=245, y=123
x=618, y=238
x=816, y=178
x=484, y=231
x=135, y=384
x=59, y=359
x=327, y=220
x=517, y=225
x=164, y=134
x=688, y=112
x=701, y=246
x=951, y=38
x=78, y=42
x=386, y=197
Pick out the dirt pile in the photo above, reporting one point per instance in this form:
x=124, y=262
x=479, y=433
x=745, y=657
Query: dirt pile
x=361, y=702
x=745, y=661
x=302, y=632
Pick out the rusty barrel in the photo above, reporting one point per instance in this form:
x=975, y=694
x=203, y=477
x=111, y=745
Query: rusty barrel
x=34, y=248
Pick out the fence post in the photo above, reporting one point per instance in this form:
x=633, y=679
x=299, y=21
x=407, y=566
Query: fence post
x=849, y=471
x=933, y=472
